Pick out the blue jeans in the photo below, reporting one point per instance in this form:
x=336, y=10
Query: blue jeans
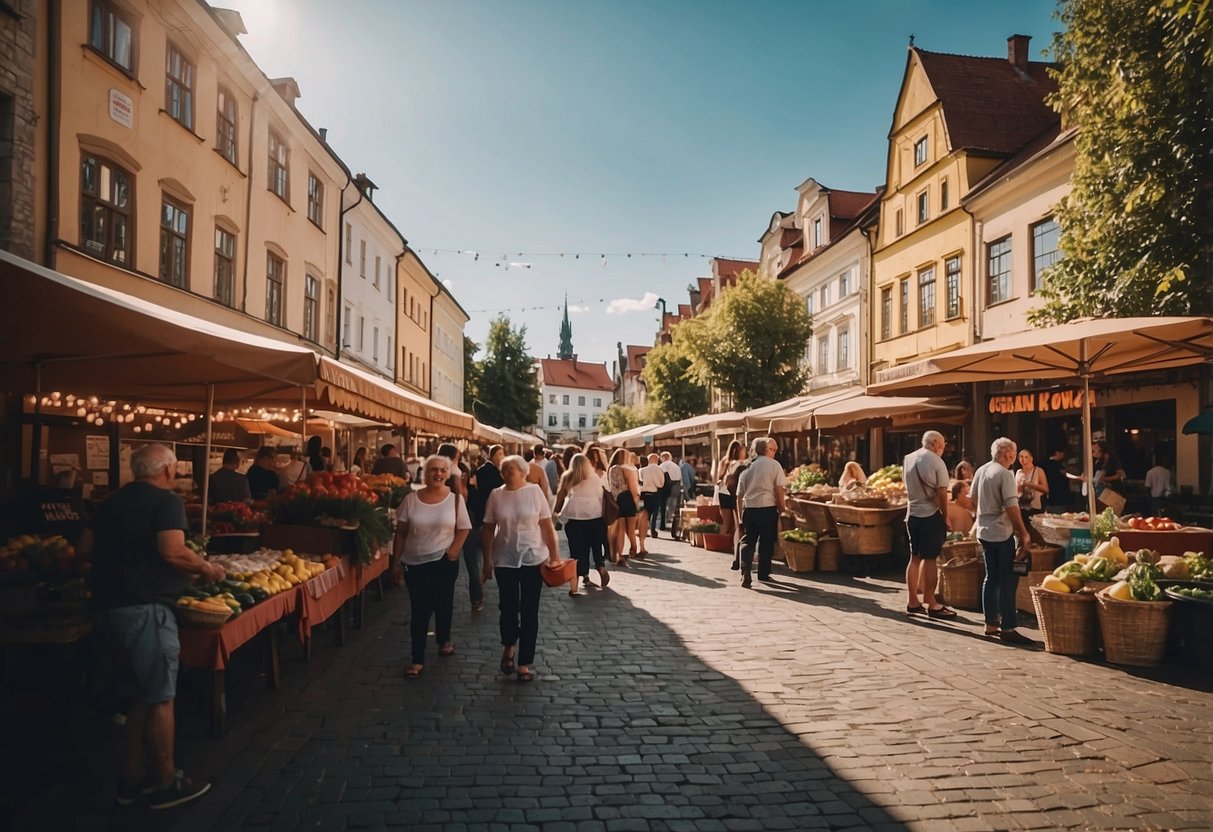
x=472, y=560
x=998, y=590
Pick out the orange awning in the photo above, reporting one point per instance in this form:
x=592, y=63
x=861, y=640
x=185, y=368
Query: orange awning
x=357, y=391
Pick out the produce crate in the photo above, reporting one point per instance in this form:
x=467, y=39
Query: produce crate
x=1023, y=593
x=800, y=557
x=1134, y=632
x=865, y=540
x=863, y=516
x=959, y=549
x=828, y=550
x=814, y=513
x=1045, y=559
x=311, y=540
x=1056, y=531
x=1187, y=539
x=1067, y=621
x=960, y=583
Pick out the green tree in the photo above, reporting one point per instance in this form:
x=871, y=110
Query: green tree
x=1137, y=226
x=508, y=391
x=674, y=393
x=750, y=343
x=471, y=375
x=617, y=418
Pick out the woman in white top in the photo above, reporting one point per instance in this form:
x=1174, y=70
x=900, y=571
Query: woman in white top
x=579, y=506
x=624, y=482
x=518, y=536
x=431, y=525
x=1032, y=483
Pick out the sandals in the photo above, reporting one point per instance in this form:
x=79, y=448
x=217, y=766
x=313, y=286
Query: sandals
x=507, y=664
x=992, y=631
x=605, y=575
x=413, y=671
x=526, y=676
x=446, y=650
x=918, y=610
x=942, y=612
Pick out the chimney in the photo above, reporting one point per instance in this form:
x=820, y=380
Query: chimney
x=1017, y=51
x=324, y=135
x=365, y=186
x=574, y=362
x=288, y=88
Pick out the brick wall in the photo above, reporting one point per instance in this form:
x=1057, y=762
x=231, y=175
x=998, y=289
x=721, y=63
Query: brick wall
x=18, y=25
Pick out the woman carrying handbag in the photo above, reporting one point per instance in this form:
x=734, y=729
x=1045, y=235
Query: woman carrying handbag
x=431, y=525
x=579, y=504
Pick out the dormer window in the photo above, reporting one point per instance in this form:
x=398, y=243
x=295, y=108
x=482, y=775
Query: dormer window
x=920, y=152
x=817, y=235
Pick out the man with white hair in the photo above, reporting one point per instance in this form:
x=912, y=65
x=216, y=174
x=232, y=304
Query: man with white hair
x=652, y=478
x=141, y=565
x=760, y=500
x=996, y=498
x=926, y=480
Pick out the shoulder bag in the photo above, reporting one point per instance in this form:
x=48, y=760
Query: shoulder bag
x=610, y=507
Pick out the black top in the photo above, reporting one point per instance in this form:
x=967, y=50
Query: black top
x=127, y=566
x=317, y=462
x=393, y=465
x=261, y=481
x=228, y=486
x=488, y=477
x=1059, y=486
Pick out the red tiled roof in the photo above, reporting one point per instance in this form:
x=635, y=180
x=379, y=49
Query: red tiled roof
x=705, y=285
x=848, y=205
x=855, y=204
x=1051, y=137
x=725, y=268
x=988, y=103
x=684, y=310
x=579, y=374
x=636, y=357
x=790, y=237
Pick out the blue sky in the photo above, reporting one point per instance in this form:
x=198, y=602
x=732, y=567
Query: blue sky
x=529, y=127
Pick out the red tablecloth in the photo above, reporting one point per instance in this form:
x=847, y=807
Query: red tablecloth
x=323, y=596
x=371, y=571
x=211, y=649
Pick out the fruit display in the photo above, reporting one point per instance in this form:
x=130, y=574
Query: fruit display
x=1150, y=524
x=52, y=558
x=1199, y=567
x=336, y=499
x=254, y=577
x=799, y=536
x=1103, y=564
x=1194, y=592
x=390, y=488
x=888, y=481
x=228, y=518
x=805, y=477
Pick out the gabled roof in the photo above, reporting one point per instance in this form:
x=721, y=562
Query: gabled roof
x=582, y=375
x=636, y=357
x=988, y=103
x=856, y=205
x=1051, y=138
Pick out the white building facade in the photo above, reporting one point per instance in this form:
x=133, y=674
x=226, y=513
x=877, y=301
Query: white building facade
x=446, y=356
x=574, y=396
x=371, y=245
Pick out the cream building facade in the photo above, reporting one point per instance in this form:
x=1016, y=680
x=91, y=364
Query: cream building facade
x=450, y=319
x=414, y=321
x=370, y=248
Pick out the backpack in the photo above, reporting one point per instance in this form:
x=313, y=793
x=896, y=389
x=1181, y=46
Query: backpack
x=734, y=476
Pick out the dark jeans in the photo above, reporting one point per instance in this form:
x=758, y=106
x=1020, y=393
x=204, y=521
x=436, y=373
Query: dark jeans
x=998, y=590
x=586, y=537
x=652, y=504
x=472, y=559
x=672, y=504
x=664, y=496
x=431, y=594
x=759, y=526
x=519, y=590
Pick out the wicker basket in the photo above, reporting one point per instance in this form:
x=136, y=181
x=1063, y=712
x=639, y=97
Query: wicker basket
x=962, y=549
x=800, y=557
x=1023, y=592
x=202, y=619
x=1046, y=558
x=960, y=583
x=1067, y=621
x=865, y=540
x=1058, y=535
x=828, y=550
x=1092, y=587
x=1134, y=632
x=815, y=514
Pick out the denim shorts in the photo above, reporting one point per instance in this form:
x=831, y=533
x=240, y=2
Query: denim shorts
x=926, y=535
x=144, y=638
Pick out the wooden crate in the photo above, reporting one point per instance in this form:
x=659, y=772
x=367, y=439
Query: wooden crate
x=310, y=540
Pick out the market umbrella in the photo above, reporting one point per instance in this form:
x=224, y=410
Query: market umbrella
x=1200, y=424
x=1083, y=349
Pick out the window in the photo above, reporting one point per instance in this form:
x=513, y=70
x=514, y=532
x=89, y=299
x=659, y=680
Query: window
x=823, y=354
x=378, y=265
x=330, y=313
x=551, y=398
x=551, y=420
x=349, y=244
x=225, y=125
x=920, y=151
x=389, y=353
x=315, y=201
x=886, y=313
x=825, y=295
x=597, y=402
x=375, y=344
x=362, y=257
x=580, y=420
x=279, y=170
x=844, y=349
x=943, y=196
x=581, y=401
x=594, y=421
x=225, y=266
x=564, y=399
x=844, y=284
x=179, y=88
x=275, y=280
x=808, y=303
x=111, y=34
x=564, y=420
x=311, y=308
x=998, y=270
x=817, y=232
x=926, y=297
x=105, y=210
x=951, y=270
x=347, y=316
x=924, y=207
x=899, y=223
x=1045, y=235
x=361, y=333
x=905, y=305
x=174, y=243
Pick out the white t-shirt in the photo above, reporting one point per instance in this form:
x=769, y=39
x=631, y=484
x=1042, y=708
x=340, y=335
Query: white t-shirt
x=922, y=478
x=759, y=482
x=671, y=468
x=431, y=527
x=583, y=501
x=1158, y=480
x=651, y=479
x=993, y=493
x=517, y=540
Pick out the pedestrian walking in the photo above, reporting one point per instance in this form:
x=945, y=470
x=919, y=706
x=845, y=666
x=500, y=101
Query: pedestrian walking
x=579, y=506
x=487, y=478
x=760, y=499
x=460, y=482
x=671, y=493
x=623, y=481
x=733, y=457
x=518, y=537
x=431, y=525
x=927, y=525
x=652, y=478
x=998, y=517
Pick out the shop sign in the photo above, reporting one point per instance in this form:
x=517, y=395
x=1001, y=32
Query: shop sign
x=122, y=109
x=1044, y=401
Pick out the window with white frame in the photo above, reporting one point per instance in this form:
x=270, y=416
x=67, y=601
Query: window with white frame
x=349, y=243
x=886, y=313
x=581, y=401
x=597, y=402
x=844, y=284
x=564, y=399
x=106, y=210
x=920, y=151
x=362, y=257
x=551, y=420
x=581, y=420
x=110, y=32
x=179, y=87
x=225, y=127
x=225, y=266
x=808, y=303
x=998, y=271
x=924, y=207
x=943, y=195
x=311, y=308
x=844, y=349
x=315, y=200
x=905, y=305
x=951, y=271
x=174, y=243
x=551, y=398
x=279, y=167
x=823, y=354
x=275, y=288
x=346, y=327
x=926, y=297
x=825, y=295
x=375, y=344
x=564, y=420
x=1045, y=252
x=817, y=233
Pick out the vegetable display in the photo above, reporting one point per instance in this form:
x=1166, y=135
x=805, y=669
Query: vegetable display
x=799, y=536
x=336, y=500
x=1104, y=525
x=805, y=477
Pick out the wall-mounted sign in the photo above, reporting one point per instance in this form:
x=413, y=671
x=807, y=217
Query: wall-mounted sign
x=1044, y=401
x=122, y=109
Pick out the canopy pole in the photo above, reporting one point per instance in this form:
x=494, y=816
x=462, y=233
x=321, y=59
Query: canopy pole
x=206, y=457
x=1087, y=445
x=303, y=422
x=36, y=443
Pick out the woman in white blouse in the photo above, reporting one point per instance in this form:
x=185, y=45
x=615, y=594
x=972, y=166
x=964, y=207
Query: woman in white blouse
x=518, y=536
x=431, y=525
x=579, y=505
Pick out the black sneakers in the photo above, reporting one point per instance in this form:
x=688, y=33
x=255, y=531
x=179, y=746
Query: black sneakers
x=128, y=793
x=180, y=790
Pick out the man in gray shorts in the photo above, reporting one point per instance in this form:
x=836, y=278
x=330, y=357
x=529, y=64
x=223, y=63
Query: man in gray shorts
x=141, y=565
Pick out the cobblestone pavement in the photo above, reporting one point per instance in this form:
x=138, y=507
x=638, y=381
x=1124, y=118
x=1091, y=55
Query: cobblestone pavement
x=675, y=700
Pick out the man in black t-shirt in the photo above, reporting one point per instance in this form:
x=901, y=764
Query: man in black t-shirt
x=488, y=477
x=262, y=475
x=140, y=566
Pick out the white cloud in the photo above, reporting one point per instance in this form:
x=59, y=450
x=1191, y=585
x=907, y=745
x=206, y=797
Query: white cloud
x=575, y=309
x=622, y=305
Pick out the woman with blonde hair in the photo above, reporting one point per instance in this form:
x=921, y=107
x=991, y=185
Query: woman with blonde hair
x=518, y=537
x=624, y=482
x=734, y=457
x=579, y=506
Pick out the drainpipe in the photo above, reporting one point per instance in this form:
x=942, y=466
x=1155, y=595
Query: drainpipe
x=974, y=388
x=248, y=203
x=341, y=259
x=52, y=133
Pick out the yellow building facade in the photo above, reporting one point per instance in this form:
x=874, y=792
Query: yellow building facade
x=414, y=322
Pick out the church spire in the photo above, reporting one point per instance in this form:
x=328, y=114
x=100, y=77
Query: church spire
x=566, y=335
